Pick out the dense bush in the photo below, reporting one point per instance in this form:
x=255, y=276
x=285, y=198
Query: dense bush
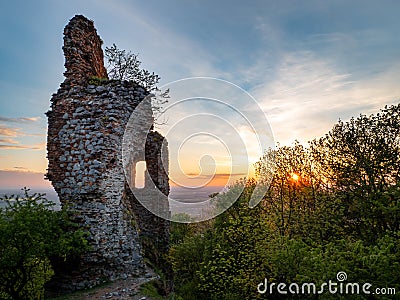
x=32, y=234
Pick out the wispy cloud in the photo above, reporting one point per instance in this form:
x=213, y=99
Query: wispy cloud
x=7, y=147
x=9, y=131
x=181, y=56
x=9, y=134
x=8, y=141
x=309, y=95
x=19, y=170
x=19, y=120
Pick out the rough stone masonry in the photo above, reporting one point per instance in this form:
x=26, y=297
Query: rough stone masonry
x=86, y=124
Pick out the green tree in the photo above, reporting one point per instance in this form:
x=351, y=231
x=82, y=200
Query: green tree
x=235, y=260
x=360, y=161
x=32, y=234
x=125, y=65
x=298, y=202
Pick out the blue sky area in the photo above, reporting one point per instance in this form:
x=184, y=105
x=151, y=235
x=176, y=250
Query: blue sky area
x=307, y=63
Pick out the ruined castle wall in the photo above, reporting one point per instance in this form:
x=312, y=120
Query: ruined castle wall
x=154, y=231
x=82, y=50
x=85, y=167
x=86, y=125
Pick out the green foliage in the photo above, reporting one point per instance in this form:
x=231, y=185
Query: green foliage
x=360, y=160
x=235, y=256
x=180, y=231
x=95, y=80
x=149, y=289
x=186, y=258
x=32, y=235
x=377, y=264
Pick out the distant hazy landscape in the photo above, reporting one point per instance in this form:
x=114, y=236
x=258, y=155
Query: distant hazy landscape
x=185, y=195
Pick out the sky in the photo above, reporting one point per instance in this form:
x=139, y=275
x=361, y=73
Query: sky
x=306, y=63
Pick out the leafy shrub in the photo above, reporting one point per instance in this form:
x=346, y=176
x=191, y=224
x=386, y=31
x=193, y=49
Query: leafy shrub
x=186, y=259
x=32, y=234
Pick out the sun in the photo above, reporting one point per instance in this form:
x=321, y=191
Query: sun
x=295, y=177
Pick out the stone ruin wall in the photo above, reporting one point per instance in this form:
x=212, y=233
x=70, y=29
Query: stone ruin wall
x=86, y=124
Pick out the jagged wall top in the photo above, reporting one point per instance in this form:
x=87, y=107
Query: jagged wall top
x=82, y=50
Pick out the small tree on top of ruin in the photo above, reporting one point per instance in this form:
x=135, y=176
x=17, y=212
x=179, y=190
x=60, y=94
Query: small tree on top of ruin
x=125, y=65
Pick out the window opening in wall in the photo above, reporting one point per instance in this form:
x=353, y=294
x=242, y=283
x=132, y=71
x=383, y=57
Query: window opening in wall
x=139, y=174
